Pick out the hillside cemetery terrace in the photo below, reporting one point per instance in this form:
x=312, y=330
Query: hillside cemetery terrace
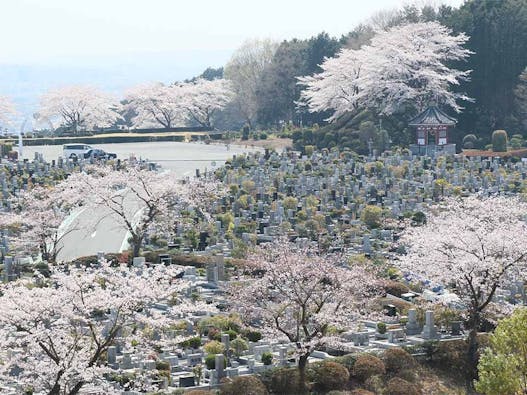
x=332, y=200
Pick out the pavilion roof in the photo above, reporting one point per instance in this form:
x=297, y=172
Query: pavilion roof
x=432, y=116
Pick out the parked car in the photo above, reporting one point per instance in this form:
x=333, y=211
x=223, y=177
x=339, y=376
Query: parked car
x=75, y=151
x=97, y=153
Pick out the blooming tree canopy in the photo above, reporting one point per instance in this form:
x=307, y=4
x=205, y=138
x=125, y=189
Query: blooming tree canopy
x=54, y=336
x=405, y=66
x=475, y=246
x=37, y=219
x=155, y=104
x=79, y=107
x=140, y=199
x=301, y=294
x=7, y=110
x=202, y=98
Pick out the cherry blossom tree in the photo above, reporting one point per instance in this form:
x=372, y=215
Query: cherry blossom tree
x=405, y=66
x=155, y=104
x=37, y=219
x=54, y=336
x=7, y=110
x=301, y=294
x=79, y=107
x=140, y=199
x=473, y=246
x=203, y=98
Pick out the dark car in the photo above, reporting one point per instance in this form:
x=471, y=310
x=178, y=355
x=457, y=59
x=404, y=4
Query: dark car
x=96, y=153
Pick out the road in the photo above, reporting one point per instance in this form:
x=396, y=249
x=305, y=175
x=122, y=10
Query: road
x=183, y=158
x=89, y=231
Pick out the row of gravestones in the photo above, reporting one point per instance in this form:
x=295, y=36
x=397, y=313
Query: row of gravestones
x=428, y=331
x=338, y=187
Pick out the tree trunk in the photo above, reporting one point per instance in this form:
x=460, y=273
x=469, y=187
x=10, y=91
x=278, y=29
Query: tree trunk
x=302, y=363
x=55, y=390
x=75, y=390
x=137, y=241
x=473, y=356
x=136, y=248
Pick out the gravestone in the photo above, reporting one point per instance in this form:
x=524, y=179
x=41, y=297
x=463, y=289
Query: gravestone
x=219, y=366
x=396, y=335
x=360, y=338
x=187, y=381
x=8, y=268
x=126, y=362
x=429, y=330
x=412, y=326
x=112, y=355
x=282, y=356
x=194, y=359
x=138, y=261
x=212, y=273
x=455, y=328
x=366, y=245
x=225, y=339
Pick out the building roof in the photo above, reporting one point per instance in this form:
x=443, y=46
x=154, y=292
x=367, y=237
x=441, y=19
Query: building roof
x=432, y=116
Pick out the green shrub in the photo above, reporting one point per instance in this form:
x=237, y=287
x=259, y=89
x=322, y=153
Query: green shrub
x=162, y=365
x=409, y=375
x=224, y=323
x=239, y=345
x=469, y=141
x=397, y=360
x=210, y=361
x=290, y=203
x=328, y=375
x=398, y=386
x=193, y=342
x=499, y=141
x=375, y=384
x=381, y=328
x=348, y=360
x=395, y=288
x=232, y=334
x=253, y=336
x=309, y=149
x=93, y=140
x=371, y=216
x=368, y=365
x=419, y=218
x=243, y=385
x=214, y=347
x=267, y=358
x=516, y=142
x=281, y=380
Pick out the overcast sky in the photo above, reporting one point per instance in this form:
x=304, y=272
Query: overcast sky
x=70, y=31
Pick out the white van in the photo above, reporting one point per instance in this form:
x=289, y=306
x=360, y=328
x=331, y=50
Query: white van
x=71, y=151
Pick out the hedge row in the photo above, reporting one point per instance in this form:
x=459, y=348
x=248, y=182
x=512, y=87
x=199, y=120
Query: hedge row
x=98, y=140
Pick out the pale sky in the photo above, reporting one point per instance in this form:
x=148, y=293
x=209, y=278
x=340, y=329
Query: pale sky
x=115, y=44
x=69, y=31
